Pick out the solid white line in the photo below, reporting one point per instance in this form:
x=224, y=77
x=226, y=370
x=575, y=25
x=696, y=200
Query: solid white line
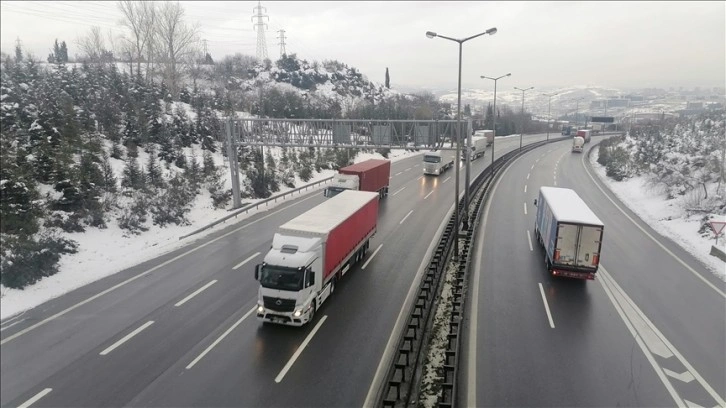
x=698, y=275
x=11, y=325
x=400, y=172
x=525, y=208
x=447, y=179
x=402, y=188
x=33, y=400
x=220, y=338
x=547, y=307
x=529, y=240
x=246, y=260
x=527, y=176
x=474, y=307
x=371, y=257
x=299, y=350
x=195, y=293
x=404, y=218
x=408, y=169
x=126, y=338
x=663, y=339
x=427, y=195
x=133, y=278
x=400, y=320
x=525, y=188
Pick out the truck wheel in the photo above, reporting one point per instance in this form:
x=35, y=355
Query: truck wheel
x=332, y=284
x=312, y=314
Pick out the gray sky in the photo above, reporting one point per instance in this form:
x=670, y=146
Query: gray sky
x=543, y=44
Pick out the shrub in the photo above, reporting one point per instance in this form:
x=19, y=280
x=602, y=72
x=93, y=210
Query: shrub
x=26, y=261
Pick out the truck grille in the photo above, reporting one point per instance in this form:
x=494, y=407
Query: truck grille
x=279, y=305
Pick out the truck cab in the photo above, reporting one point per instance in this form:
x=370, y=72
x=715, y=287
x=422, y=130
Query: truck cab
x=340, y=183
x=434, y=163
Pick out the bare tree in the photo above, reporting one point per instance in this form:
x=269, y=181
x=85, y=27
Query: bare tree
x=195, y=65
x=177, y=41
x=93, y=47
x=139, y=19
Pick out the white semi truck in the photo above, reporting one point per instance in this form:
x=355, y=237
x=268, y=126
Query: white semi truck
x=570, y=233
x=436, y=162
x=310, y=253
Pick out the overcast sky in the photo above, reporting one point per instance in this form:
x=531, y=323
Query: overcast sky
x=543, y=44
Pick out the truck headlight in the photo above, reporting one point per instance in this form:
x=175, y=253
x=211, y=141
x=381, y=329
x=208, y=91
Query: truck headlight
x=298, y=313
x=260, y=309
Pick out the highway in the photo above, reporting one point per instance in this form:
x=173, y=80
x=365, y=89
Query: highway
x=649, y=331
x=179, y=330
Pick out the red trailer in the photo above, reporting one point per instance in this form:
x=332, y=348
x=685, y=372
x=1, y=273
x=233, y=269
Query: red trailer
x=370, y=175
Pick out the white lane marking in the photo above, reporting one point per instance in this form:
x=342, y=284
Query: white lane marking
x=11, y=325
x=246, y=260
x=427, y=195
x=529, y=240
x=299, y=350
x=532, y=168
x=133, y=278
x=126, y=338
x=447, y=179
x=547, y=307
x=474, y=306
x=420, y=177
x=525, y=208
x=402, y=188
x=537, y=161
x=525, y=188
x=35, y=399
x=195, y=293
x=219, y=339
x=527, y=176
x=401, y=319
x=643, y=330
x=415, y=165
x=404, y=218
x=370, y=258
x=400, y=172
x=652, y=238
x=685, y=377
x=408, y=169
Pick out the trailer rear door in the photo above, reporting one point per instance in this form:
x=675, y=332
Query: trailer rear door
x=588, y=254
x=566, y=247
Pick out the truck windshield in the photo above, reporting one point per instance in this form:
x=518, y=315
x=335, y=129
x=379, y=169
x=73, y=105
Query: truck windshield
x=276, y=277
x=432, y=159
x=333, y=191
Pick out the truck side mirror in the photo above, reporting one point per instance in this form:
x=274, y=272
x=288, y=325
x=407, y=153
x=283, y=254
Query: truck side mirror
x=325, y=192
x=535, y=202
x=258, y=268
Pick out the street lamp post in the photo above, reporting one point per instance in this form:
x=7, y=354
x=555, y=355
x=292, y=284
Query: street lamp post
x=494, y=112
x=431, y=34
x=577, y=112
x=549, y=115
x=521, y=131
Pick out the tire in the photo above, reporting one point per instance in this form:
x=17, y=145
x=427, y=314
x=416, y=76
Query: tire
x=332, y=285
x=312, y=314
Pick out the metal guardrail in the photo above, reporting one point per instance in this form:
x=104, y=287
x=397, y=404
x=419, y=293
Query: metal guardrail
x=401, y=378
x=266, y=201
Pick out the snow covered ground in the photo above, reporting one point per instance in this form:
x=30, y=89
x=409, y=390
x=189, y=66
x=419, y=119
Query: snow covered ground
x=668, y=217
x=104, y=252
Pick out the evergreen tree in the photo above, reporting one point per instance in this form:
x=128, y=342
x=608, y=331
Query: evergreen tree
x=154, y=174
x=166, y=145
x=194, y=173
x=273, y=184
x=63, y=53
x=109, y=178
x=116, y=151
x=18, y=53
x=388, y=79
x=18, y=209
x=209, y=169
x=467, y=110
x=133, y=176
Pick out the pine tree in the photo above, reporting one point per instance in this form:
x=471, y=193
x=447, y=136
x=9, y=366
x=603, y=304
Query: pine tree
x=133, y=175
x=273, y=184
x=388, y=79
x=153, y=170
x=166, y=145
x=194, y=173
x=209, y=169
x=18, y=209
x=109, y=178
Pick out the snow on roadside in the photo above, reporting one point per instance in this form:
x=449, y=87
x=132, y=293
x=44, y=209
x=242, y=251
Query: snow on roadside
x=104, y=252
x=667, y=217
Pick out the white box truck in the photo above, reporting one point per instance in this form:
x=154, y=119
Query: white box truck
x=577, y=144
x=478, y=147
x=570, y=233
x=310, y=253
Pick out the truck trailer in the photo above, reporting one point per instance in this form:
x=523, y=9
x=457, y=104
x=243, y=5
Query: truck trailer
x=577, y=144
x=570, y=233
x=371, y=175
x=486, y=134
x=478, y=147
x=310, y=253
x=436, y=162
x=586, y=134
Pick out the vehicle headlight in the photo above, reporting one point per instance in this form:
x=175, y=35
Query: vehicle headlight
x=260, y=309
x=298, y=313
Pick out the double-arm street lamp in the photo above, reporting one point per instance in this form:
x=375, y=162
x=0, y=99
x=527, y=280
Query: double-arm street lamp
x=494, y=113
x=521, y=131
x=549, y=117
x=431, y=34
